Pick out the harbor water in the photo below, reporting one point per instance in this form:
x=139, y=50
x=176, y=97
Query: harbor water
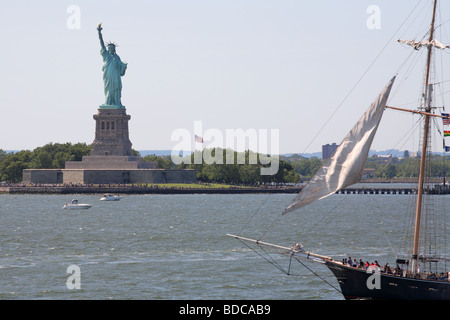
x=176, y=246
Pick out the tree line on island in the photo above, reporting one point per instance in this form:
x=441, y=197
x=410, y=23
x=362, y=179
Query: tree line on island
x=291, y=169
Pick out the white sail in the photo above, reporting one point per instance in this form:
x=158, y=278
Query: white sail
x=345, y=166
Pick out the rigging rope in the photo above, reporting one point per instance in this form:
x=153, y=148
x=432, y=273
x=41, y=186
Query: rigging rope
x=360, y=79
x=317, y=275
x=279, y=267
x=271, y=261
x=254, y=213
x=271, y=225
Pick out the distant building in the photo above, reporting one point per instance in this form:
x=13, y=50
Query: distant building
x=328, y=150
x=382, y=158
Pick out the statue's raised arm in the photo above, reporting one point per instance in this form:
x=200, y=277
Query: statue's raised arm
x=99, y=28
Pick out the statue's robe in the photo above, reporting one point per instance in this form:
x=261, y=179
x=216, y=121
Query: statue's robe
x=113, y=69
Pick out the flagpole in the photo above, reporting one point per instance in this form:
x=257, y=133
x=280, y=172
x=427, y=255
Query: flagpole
x=198, y=133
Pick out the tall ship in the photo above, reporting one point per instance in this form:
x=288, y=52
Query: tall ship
x=418, y=274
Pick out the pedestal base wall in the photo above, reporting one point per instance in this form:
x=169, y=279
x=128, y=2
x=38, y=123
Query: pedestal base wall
x=105, y=176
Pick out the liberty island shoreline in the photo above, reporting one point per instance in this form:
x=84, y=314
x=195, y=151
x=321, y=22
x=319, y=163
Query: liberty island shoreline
x=140, y=189
x=370, y=186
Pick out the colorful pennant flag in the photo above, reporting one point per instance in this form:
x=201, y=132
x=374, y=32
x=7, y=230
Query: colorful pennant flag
x=446, y=121
x=446, y=133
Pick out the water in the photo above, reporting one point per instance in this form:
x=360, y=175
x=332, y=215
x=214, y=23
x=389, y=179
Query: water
x=176, y=247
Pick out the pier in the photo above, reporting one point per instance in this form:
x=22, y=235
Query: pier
x=377, y=191
x=436, y=190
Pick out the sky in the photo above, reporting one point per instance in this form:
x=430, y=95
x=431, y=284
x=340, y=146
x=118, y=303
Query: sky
x=305, y=69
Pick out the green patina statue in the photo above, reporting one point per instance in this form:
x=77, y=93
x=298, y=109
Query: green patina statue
x=113, y=70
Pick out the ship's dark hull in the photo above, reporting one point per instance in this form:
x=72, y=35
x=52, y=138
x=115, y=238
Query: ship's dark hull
x=353, y=283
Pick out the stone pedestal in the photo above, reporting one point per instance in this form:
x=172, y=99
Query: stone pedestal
x=111, y=133
x=111, y=149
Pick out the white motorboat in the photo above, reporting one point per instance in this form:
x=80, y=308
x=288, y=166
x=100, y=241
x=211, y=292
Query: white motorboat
x=75, y=205
x=110, y=197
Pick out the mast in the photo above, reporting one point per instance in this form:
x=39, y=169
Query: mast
x=415, y=254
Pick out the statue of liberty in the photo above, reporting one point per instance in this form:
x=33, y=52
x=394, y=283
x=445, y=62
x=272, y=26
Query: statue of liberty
x=113, y=69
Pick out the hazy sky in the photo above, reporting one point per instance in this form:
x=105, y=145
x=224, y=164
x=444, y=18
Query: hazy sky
x=231, y=64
